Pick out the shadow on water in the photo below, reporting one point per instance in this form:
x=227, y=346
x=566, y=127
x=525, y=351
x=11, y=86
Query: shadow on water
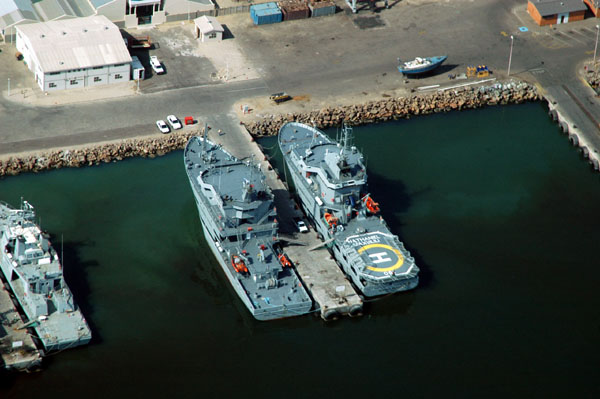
x=394, y=199
x=76, y=275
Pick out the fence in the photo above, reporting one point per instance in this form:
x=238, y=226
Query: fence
x=212, y=13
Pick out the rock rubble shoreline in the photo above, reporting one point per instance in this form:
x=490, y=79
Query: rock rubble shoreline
x=371, y=112
x=94, y=154
x=402, y=107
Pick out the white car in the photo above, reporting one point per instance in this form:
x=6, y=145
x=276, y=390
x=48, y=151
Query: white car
x=174, y=122
x=155, y=64
x=302, y=226
x=162, y=126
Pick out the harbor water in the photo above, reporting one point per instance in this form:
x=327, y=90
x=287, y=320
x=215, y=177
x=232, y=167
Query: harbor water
x=500, y=212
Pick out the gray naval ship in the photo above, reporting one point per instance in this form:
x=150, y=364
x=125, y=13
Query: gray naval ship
x=331, y=181
x=238, y=218
x=34, y=274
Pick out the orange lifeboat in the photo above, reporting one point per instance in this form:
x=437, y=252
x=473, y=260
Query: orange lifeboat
x=330, y=219
x=371, y=205
x=285, y=262
x=238, y=264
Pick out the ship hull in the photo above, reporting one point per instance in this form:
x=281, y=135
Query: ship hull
x=267, y=289
x=56, y=329
x=313, y=210
x=261, y=315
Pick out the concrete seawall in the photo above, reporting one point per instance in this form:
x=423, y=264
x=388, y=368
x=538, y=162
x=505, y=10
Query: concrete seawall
x=581, y=127
x=511, y=92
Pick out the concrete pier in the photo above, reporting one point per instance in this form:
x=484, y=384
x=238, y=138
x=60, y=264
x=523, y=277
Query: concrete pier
x=575, y=119
x=322, y=276
x=17, y=350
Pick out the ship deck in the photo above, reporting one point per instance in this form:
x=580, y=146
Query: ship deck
x=322, y=276
x=17, y=349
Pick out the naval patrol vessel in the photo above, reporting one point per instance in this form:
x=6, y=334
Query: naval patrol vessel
x=331, y=182
x=34, y=274
x=239, y=221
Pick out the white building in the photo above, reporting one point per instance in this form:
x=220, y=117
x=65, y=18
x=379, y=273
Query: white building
x=124, y=13
x=72, y=53
x=135, y=13
x=208, y=29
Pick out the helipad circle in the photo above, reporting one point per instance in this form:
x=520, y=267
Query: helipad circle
x=390, y=258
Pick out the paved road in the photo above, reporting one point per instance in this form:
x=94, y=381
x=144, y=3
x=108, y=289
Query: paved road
x=323, y=58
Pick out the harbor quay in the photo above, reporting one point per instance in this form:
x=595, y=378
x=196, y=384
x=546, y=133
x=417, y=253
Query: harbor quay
x=329, y=288
x=17, y=349
x=74, y=154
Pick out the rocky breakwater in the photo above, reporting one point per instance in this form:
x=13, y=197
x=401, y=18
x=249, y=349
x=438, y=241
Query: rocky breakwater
x=94, y=154
x=593, y=78
x=402, y=107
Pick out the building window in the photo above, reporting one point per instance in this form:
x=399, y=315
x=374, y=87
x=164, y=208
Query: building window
x=51, y=85
x=73, y=82
x=118, y=65
x=54, y=73
x=97, y=79
x=118, y=76
x=98, y=67
x=212, y=35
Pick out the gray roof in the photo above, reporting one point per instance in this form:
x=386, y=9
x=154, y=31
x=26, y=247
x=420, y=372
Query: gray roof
x=553, y=7
x=76, y=43
x=13, y=12
x=8, y=6
x=208, y=24
x=100, y=3
x=16, y=17
x=52, y=9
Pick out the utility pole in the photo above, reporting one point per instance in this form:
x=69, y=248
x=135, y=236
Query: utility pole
x=596, y=46
x=8, y=87
x=510, y=55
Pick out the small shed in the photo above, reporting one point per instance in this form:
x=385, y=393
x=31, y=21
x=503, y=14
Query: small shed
x=550, y=12
x=208, y=29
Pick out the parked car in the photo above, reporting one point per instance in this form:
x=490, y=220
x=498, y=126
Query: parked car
x=162, y=126
x=174, y=122
x=302, y=226
x=280, y=97
x=155, y=64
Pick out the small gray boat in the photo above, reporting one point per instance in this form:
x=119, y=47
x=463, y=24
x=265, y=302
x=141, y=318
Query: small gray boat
x=34, y=274
x=238, y=218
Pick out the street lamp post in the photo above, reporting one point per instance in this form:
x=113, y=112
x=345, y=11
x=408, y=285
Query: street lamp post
x=8, y=87
x=510, y=55
x=596, y=45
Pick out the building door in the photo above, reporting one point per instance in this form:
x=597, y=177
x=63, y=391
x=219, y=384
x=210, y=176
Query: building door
x=144, y=14
x=562, y=18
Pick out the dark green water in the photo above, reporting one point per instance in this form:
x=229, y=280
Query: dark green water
x=500, y=211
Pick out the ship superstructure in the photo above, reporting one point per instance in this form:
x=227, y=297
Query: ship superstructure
x=239, y=221
x=331, y=182
x=34, y=273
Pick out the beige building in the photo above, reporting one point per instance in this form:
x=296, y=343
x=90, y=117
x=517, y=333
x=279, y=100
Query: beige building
x=208, y=29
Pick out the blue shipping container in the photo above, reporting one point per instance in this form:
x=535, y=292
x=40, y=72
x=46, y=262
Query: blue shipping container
x=265, y=13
